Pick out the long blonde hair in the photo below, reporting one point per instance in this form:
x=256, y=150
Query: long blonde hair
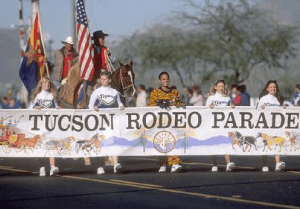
x=213, y=90
x=38, y=88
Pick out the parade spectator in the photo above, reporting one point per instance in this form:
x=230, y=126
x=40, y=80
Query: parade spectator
x=233, y=92
x=44, y=97
x=296, y=96
x=9, y=95
x=271, y=97
x=13, y=104
x=149, y=90
x=219, y=96
x=187, y=95
x=1, y=104
x=106, y=97
x=131, y=101
x=22, y=98
x=243, y=97
x=5, y=102
x=141, y=100
x=65, y=58
x=197, y=98
x=164, y=92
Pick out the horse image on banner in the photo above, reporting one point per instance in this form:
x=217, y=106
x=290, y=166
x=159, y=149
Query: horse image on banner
x=144, y=131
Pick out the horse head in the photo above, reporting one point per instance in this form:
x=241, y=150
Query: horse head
x=259, y=135
x=287, y=133
x=37, y=138
x=72, y=138
x=101, y=137
x=264, y=136
x=231, y=134
x=123, y=79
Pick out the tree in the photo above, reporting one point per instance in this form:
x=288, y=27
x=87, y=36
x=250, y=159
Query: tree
x=236, y=35
x=160, y=47
x=230, y=39
x=163, y=47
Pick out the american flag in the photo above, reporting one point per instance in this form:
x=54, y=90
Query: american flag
x=85, y=48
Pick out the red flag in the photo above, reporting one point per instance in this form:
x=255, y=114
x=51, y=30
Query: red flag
x=85, y=47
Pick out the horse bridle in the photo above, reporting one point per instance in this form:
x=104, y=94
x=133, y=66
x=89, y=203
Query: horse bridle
x=125, y=88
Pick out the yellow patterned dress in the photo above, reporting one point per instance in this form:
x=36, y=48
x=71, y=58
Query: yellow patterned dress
x=159, y=94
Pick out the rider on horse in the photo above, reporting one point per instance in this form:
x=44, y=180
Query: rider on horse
x=103, y=58
x=75, y=92
x=65, y=58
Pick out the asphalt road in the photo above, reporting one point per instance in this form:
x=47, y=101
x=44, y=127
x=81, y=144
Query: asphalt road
x=139, y=185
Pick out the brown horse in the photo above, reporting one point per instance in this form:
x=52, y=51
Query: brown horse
x=122, y=81
x=30, y=143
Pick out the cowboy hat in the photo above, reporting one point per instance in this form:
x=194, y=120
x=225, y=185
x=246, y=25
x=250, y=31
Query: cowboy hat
x=68, y=40
x=99, y=34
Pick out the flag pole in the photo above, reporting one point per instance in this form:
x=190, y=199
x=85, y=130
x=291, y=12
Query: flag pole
x=21, y=29
x=42, y=37
x=24, y=94
x=74, y=20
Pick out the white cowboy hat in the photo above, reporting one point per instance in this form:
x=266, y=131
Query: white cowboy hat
x=68, y=40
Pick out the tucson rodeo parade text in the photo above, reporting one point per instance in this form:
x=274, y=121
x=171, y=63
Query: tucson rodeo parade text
x=165, y=119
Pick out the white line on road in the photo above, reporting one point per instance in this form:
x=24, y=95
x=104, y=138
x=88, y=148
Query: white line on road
x=8, y=168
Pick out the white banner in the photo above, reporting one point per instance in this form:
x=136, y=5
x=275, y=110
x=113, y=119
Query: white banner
x=149, y=131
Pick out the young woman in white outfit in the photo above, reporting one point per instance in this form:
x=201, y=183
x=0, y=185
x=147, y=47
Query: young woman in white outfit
x=271, y=97
x=44, y=98
x=219, y=97
x=106, y=97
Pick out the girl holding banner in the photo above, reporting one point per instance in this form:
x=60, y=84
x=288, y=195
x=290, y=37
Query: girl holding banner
x=164, y=93
x=44, y=97
x=219, y=96
x=106, y=97
x=271, y=97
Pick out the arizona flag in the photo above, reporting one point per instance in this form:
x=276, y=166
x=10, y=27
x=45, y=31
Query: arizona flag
x=32, y=66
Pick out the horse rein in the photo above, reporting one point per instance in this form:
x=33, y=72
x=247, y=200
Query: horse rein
x=128, y=86
x=121, y=77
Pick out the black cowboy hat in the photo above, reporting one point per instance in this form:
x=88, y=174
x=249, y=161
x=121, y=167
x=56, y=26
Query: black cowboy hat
x=99, y=34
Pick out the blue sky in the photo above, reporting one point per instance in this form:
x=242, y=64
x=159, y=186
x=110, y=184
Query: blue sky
x=116, y=17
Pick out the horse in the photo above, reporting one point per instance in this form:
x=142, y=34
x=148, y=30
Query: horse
x=60, y=145
x=235, y=140
x=122, y=80
x=269, y=141
x=87, y=145
x=66, y=144
x=241, y=141
x=30, y=143
x=294, y=140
